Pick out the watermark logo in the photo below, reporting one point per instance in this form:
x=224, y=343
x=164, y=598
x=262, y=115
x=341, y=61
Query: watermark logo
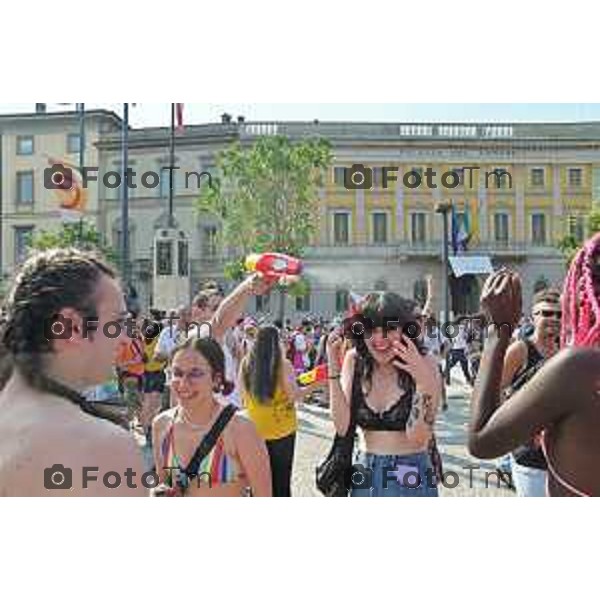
x=359, y=477
x=60, y=177
x=60, y=328
x=359, y=177
x=59, y=477
x=359, y=327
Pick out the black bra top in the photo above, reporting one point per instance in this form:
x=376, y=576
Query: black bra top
x=394, y=418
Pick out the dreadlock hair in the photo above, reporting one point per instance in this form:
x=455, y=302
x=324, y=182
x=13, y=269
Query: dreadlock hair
x=580, y=306
x=48, y=282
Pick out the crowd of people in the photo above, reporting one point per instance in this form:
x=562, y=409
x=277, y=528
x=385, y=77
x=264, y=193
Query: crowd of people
x=215, y=391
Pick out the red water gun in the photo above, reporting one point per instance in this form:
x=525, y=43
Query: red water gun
x=274, y=266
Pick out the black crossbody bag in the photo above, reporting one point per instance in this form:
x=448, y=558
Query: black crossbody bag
x=334, y=474
x=206, y=445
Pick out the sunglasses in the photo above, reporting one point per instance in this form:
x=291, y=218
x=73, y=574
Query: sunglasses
x=548, y=314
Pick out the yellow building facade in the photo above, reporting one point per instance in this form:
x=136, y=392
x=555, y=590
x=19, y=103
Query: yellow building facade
x=381, y=231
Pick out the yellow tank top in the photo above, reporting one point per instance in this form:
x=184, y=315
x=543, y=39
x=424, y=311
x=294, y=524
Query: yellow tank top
x=152, y=366
x=274, y=420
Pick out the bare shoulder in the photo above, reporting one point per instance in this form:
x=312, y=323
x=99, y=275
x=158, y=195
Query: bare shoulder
x=517, y=348
x=92, y=449
x=108, y=443
x=164, y=419
x=242, y=427
x=577, y=362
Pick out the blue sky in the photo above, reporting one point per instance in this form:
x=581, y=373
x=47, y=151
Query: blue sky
x=149, y=114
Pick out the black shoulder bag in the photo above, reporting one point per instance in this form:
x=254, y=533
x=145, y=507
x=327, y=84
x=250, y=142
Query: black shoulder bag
x=334, y=474
x=185, y=476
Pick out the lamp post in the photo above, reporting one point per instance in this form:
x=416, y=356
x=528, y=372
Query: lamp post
x=444, y=208
x=81, y=111
x=125, y=199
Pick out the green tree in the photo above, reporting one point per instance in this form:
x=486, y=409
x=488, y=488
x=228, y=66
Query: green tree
x=569, y=245
x=82, y=235
x=266, y=199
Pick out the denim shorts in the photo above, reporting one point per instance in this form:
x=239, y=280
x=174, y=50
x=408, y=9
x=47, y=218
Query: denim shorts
x=379, y=476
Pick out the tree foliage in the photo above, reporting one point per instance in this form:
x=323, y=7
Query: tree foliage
x=266, y=197
x=82, y=235
x=569, y=245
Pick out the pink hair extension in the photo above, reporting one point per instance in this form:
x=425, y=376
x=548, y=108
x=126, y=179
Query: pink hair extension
x=580, y=305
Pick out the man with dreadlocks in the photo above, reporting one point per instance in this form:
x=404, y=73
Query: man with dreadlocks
x=54, y=348
x=562, y=400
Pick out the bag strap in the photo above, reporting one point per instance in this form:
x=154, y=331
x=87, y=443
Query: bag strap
x=210, y=440
x=357, y=380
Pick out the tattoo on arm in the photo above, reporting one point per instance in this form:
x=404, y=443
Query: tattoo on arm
x=422, y=409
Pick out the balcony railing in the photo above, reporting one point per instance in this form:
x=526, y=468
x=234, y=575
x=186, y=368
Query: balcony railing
x=400, y=250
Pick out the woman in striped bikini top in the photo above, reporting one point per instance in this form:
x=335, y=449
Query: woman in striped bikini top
x=238, y=463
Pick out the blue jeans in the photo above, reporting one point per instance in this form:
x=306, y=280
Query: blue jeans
x=528, y=482
x=393, y=476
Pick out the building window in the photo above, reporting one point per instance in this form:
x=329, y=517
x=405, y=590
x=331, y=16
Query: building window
x=575, y=177
x=418, y=227
x=303, y=303
x=23, y=237
x=339, y=175
x=263, y=303
x=25, y=145
x=380, y=228
x=73, y=143
x=377, y=177
x=413, y=177
x=499, y=179
x=164, y=257
x=209, y=241
x=184, y=258
x=341, y=301
x=25, y=188
x=501, y=228
x=460, y=172
x=341, y=229
x=538, y=229
x=537, y=177
x=577, y=228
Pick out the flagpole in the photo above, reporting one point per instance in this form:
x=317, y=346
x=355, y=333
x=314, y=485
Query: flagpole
x=172, y=165
x=125, y=198
x=81, y=109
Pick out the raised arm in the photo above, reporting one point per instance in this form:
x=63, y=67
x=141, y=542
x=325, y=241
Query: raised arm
x=553, y=393
x=428, y=392
x=232, y=307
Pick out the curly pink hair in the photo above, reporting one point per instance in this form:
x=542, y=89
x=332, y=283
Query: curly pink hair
x=580, y=303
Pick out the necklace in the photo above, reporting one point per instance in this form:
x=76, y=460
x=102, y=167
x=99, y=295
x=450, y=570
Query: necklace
x=185, y=418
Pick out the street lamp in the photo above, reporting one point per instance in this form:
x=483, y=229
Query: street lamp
x=125, y=249
x=444, y=208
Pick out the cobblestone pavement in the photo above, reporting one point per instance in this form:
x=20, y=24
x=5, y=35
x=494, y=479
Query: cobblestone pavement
x=316, y=434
